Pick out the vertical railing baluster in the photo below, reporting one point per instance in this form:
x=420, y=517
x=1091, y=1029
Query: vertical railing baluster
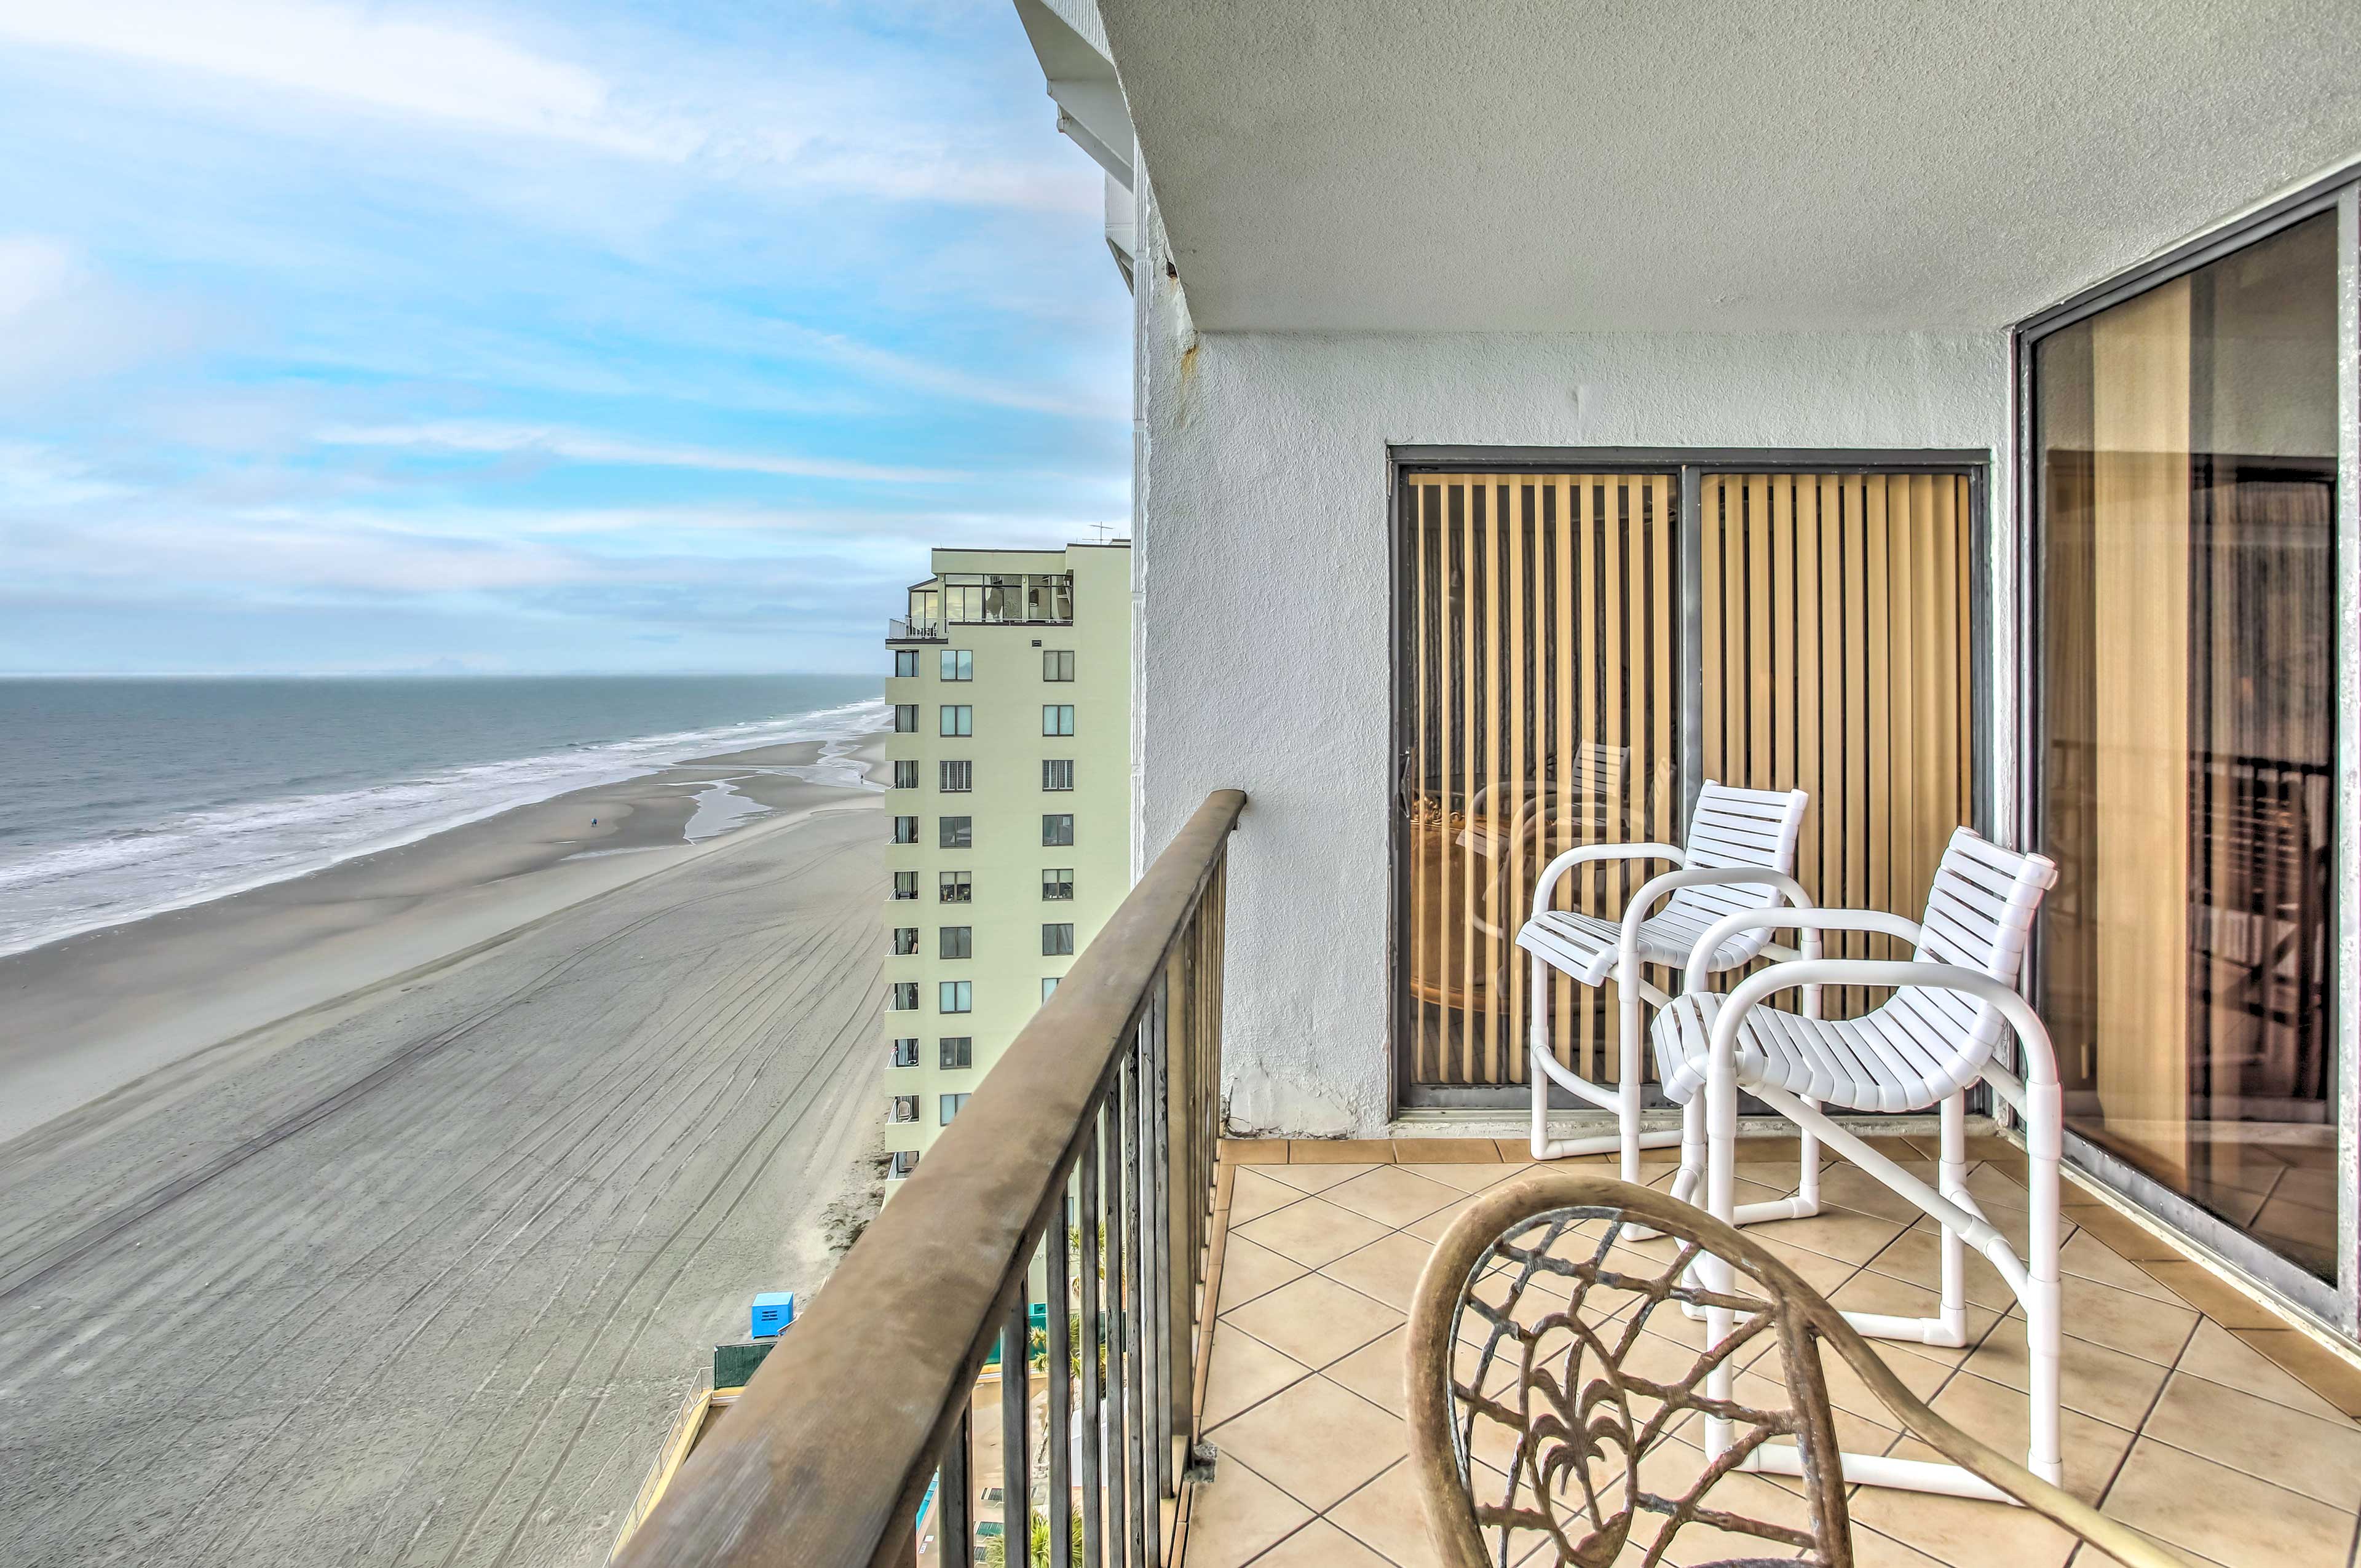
x=1142, y=1505
x=1086, y=1217
x=1016, y=1429
x=1119, y=1510
x=1158, y=1104
x=1055, y=1294
x=954, y=1519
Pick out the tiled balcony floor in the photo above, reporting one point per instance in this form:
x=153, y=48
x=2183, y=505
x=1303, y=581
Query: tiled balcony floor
x=2192, y=1413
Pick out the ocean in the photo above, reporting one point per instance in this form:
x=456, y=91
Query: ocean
x=122, y=798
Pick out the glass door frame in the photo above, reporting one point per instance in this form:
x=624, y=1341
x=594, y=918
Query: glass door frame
x=1689, y=465
x=2338, y=1305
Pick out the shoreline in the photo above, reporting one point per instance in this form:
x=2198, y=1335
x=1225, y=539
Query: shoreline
x=91, y=1013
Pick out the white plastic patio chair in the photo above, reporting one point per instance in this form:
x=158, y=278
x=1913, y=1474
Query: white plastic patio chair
x=1741, y=856
x=1936, y=1036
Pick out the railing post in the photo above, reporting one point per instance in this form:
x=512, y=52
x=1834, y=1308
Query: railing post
x=1060, y=1381
x=1135, y=1322
x=1016, y=1428
x=1094, y=1336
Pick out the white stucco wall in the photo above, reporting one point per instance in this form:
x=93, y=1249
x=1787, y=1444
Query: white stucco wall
x=1261, y=548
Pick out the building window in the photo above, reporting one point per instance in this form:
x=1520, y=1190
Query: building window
x=957, y=719
x=905, y=996
x=1057, y=773
x=2185, y=502
x=905, y=885
x=905, y=719
x=905, y=662
x=958, y=664
x=906, y=940
x=955, y=996
x=956, y=1052
x=1048, y=986
x=905, y=1108
x=906, y=775
x=905, y=1052
x=1058, y=827
x=905, y=829
x=1057, y=663
x=956, y=832
x=948, y=1106
x=1058, y=883
x=953, y=778
x=1057, y=940
x=1056, y=719
x=902, y=1163
x=953, y=887
x=955, y=942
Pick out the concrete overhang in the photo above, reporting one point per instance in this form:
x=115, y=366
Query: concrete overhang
x=1644, y=166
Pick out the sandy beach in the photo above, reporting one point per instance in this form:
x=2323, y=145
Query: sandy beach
x=390, y=1213
x=89, y=1014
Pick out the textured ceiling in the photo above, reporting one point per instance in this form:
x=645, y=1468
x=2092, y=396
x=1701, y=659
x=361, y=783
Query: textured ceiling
x=1385, y=165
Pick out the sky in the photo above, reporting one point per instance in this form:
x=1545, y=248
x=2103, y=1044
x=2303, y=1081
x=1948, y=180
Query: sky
x=497, y=338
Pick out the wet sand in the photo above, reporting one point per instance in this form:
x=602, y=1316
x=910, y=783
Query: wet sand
x=89, y=1014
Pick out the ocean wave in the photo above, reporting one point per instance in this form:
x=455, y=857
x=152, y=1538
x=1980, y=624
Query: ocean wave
x=149, y=869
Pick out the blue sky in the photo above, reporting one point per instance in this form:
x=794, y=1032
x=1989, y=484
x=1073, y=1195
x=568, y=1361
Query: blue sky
x=345, y=337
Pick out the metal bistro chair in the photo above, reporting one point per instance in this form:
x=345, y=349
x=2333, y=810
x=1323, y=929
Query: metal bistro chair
x=1923, y=1048
x=1544, y=1412
x=1741, y=856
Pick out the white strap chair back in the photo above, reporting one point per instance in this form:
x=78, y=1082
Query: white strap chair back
x=1980, y=917
x=1731, y=828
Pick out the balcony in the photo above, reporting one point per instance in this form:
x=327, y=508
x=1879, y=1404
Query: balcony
x=899, y=630
x=1249, y=1308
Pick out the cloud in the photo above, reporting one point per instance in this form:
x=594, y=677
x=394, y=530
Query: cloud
x=455, y=435
x=62, y=320
x=847, y=134
x=423, y=70
x=886, y=365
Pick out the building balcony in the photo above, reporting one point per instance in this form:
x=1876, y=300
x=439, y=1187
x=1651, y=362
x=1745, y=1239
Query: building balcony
x=900, y=631
x=1230, y=1384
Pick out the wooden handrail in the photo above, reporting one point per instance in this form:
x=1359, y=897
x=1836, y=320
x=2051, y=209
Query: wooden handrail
x=823, y=1462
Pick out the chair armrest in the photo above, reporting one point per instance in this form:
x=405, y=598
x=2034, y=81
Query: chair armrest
x=1547, y=882
x=1810, y=919
x=2041, y=1056
x=1627, y=958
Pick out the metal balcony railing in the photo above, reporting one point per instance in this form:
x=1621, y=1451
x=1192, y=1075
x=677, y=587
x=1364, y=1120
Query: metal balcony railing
x=1089, y=1148
x=898, y=631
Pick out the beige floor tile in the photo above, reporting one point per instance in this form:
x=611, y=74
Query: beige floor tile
x=2085, y=1254
x=1254, y=1151
x=1390, y=1195
x=1315, y=1441
x=1316, y=1320
x=2124, y=1237
x=1997, y=1188
x=1388, y=1517
x=1961, y=1534
x=1312, y=1232
x=2326, y=1374
x=1869, y=1292
x=1870, y=1550
x=1238, y=1517
x=1340, y=1151
x=1254, y=1194
x=1318, y=1545
x=1248, y=1271
x=1431, y=1228
x=2091, y=1450
x=1821, y=1272
x=2228, y=1516
x=1375, y=1372
x=2212, y=1295
x=1387, y=1268
x=1763, y=1385
x=1917, y=1258
x=2321, y=1459
x=2217, y=1355
x=1244, y=1372
x=1843, y=1234
x=2143, y=1326
x=1469, y=1177
x=1850, y=1187
x=1446, y=1151
x=2092, y=1378
x=1315, y=1176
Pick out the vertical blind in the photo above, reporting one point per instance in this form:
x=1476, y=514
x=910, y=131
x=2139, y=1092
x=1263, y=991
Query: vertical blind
x=1543, y=685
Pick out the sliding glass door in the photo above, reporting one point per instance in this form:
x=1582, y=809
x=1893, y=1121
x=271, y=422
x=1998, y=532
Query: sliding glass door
x=2185, y=496
x=1580, y=651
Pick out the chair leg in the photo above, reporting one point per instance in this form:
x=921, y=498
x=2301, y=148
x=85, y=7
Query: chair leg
x=1720, y=1097
x=1627, y=1115
x=1692, y=1172
x=1951, y=1182
x=2045, y=1135
x=1541, y=1051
